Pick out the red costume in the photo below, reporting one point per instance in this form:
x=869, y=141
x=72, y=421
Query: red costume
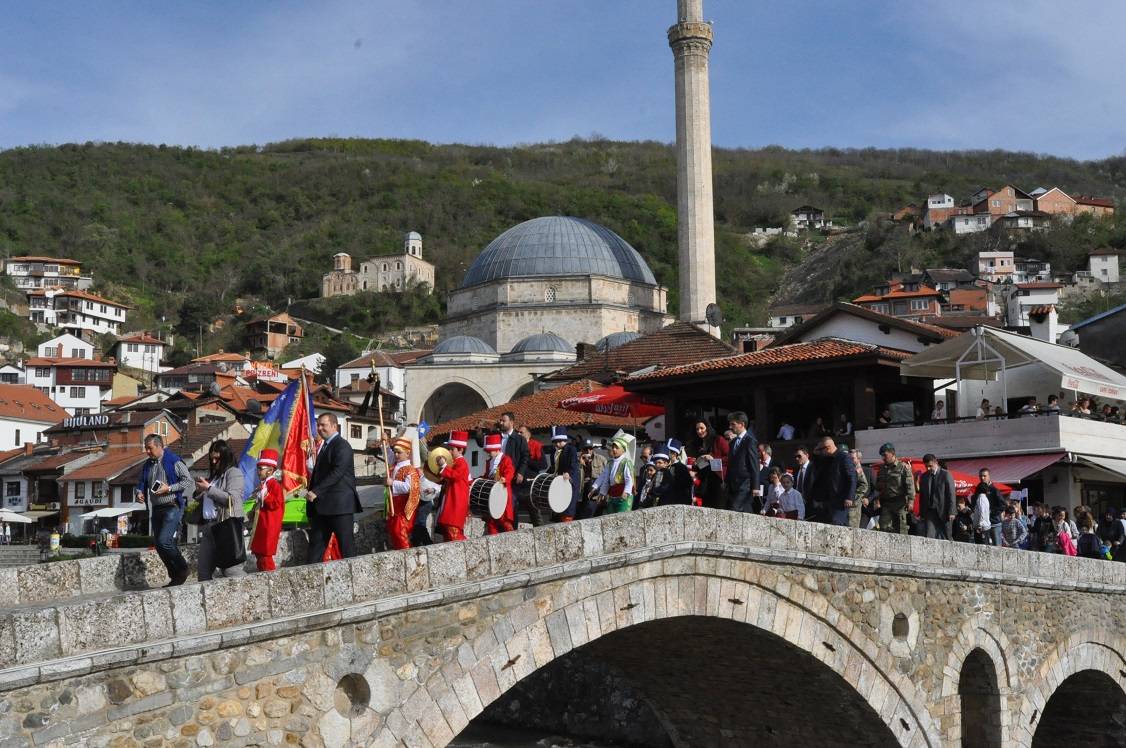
x=455, y=504
x=406, y=491
x=268, y=522
x=502, y=470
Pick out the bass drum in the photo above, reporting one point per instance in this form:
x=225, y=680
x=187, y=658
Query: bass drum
x=487, y=498
x=550, y=493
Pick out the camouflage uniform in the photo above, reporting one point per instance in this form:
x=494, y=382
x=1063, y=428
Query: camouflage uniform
x=857, y=511
x=896, y=488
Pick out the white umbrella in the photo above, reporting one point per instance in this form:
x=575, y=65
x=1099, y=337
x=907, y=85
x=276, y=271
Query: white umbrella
x=7, y=516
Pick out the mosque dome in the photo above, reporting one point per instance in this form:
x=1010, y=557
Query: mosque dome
x=543, y=342
x=558, y=245
x=463, y=344
x=615, y=339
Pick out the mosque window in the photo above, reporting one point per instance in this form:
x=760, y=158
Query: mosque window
x=385, y=266
x=549, y=294
x=398, y=266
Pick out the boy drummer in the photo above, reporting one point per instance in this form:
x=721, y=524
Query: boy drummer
x=455, y=479
x=500, y=468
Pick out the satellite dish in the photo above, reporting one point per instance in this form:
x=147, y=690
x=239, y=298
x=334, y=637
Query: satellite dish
x=253, y=406
x=214, y=389
x=714, y=315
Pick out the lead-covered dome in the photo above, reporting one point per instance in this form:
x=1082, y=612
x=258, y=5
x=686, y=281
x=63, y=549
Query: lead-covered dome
x=463, y=344
x=541, y=342
x=615, y=339
x=558, y=245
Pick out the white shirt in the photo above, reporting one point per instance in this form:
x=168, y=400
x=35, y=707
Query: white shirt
x=938, y=414
x=790, y=501
x=981, y=513
x=400, y=487
x=492, y=465
x=604, y=481
x=786, y=433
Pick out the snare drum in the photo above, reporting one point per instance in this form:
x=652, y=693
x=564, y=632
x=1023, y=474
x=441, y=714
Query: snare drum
x=550, y=493
x=487, y=498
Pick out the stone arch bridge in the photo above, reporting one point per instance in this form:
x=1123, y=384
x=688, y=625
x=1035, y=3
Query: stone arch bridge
x=732, y=629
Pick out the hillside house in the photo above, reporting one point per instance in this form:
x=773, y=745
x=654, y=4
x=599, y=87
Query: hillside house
x=271, y=335
x=1097, y=206
x=29, y=273
x=65, y=346
x=903, y=299
x=1008, y=199
x=25, y=413
x=79, y=385
x=76, y=311
x=1054, y=202
x=1102, y=264
x=1025, y=220
x=781, y=317
x=940, y=208
x=967, y=223
x=808, y=218
x=141, y=351
x=945, y=279
x=1031, y=270
x=995, y=267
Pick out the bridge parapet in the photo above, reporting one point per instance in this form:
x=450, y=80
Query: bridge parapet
x=40, y=643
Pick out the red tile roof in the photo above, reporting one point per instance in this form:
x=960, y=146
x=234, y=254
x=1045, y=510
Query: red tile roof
x=896, y=292
x=54, y=462
x=37, y=258
x=1041, y=310
x=1102, y=202
x=22, y=402
x=675, y=344
x=385, y=359
x=1107, y=251
x=221, y=356
x=143, y=337
x=86, y=295
x=825, y=349
x=791, y=334
x=108, y=466
x=538, y=411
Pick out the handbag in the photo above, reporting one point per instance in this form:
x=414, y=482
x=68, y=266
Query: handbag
x=226, y=536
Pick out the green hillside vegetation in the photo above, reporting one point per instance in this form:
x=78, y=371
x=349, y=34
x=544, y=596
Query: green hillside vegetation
x=182, y=233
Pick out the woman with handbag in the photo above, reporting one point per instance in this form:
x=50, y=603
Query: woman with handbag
x=221, y=545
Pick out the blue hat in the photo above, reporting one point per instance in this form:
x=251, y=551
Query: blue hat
x=674, y=446
x=559, y=433
x=661, y=453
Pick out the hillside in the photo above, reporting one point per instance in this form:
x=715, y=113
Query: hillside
x=182, y=233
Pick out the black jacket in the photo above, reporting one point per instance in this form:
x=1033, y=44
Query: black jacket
x=334, y=480
x=936, y=492
x=710, y=488
x=517, y=450
x=742, y=463
x=803, y=484
x=568, y=463
x=834, y=480
x=676, y=488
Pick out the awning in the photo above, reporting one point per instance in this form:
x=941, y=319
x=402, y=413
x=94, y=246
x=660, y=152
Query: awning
x=1109, y=464
x=40, y=514
x=984, y=352
x=1007, y=469
x=112, y=511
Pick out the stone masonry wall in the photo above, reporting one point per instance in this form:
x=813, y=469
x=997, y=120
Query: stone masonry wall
x=404, y=648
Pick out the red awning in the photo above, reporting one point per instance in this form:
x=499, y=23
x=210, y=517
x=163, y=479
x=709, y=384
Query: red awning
x=1008, y=469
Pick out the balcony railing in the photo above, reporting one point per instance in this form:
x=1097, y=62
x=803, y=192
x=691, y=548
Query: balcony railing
x=998, y=436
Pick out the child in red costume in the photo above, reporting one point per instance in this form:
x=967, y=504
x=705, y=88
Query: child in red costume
x=406, y=490
x=455, y=479
x=500, y=468
x=270, y=508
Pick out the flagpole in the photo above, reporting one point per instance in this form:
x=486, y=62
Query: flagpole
x=382, y=435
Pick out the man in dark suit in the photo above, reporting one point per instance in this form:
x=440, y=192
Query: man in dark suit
x=803, y=482
x=563, y=459
x=936, y=499
x=332, y=498
x=516, y=447
x=742, y=466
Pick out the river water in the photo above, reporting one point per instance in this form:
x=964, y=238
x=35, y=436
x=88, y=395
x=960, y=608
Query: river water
x=492, y=736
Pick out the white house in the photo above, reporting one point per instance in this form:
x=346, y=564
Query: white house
x=141, y=351
x=1021, y=298
x=971, y=223
x=807, y=217
x=65, y=346
x=77, y=384
x=75, y=310
x=25, y=413
x=46, y=272
x=11, y=374
x=313, y=362
x=1102, y=264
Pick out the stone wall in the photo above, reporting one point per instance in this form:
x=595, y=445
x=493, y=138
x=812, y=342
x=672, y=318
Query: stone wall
x=404, y=648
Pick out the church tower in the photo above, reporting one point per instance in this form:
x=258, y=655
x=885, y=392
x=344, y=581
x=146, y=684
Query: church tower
x=691, y=42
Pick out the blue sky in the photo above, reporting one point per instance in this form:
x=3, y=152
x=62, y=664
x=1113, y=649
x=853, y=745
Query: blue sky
x=1029, y=75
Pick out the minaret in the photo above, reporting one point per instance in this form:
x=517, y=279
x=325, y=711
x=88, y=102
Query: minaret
x=691, y=42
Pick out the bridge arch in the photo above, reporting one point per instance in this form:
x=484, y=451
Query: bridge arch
x=1100, y=665
x=589, y=611
x=981, y=639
